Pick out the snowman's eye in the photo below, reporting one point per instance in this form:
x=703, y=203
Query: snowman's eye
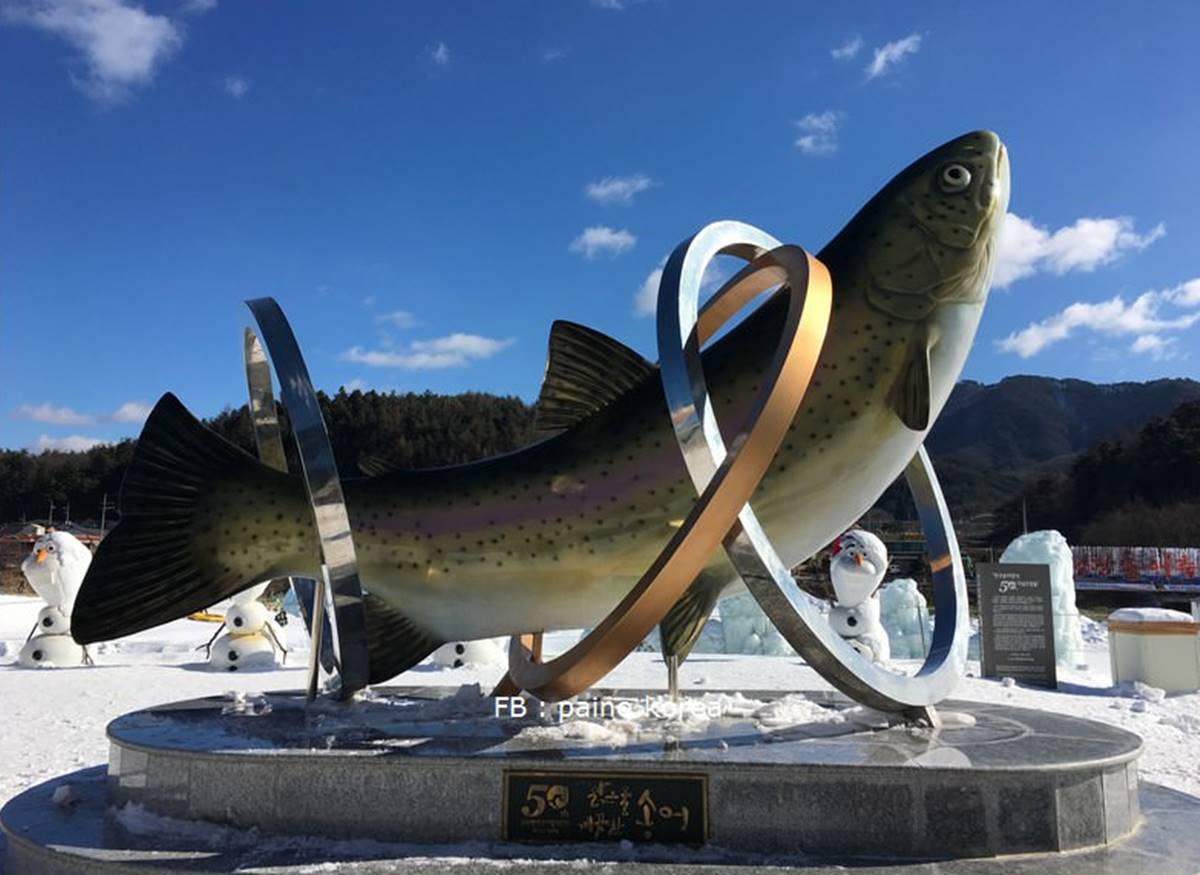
x=50, y=547
x=954, y=178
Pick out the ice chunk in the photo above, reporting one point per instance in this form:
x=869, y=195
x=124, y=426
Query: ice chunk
x=746, y=629
x=905, y=617
x=1049, y=547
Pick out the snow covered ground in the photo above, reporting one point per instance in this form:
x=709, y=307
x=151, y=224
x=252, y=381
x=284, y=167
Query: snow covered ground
x=52, y=720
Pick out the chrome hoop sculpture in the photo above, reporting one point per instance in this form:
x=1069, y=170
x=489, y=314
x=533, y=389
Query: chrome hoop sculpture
x=339, y=562
x=264, y=421
x=725, y=479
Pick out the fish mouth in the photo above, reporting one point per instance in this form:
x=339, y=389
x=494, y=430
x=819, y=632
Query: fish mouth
x=1001, y=181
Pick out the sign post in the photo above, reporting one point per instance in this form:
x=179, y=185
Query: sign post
x=1016, y=623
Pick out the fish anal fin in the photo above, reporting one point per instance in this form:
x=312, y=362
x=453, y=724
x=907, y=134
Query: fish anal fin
x=394, y=642
x=585, y=371
x=911, y=398
x=680, y=628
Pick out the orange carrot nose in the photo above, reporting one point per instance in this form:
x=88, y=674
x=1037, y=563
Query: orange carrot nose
x=858, y=560
x=41, y=556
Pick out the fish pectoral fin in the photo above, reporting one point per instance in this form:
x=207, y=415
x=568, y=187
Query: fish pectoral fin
x=394, y=642
x=585, y=371
x=911, y=397
x=680, y=628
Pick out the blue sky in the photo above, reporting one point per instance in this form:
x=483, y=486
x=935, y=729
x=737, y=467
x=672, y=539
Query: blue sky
x=425, y=188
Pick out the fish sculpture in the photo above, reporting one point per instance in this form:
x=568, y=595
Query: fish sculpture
x=553, y=535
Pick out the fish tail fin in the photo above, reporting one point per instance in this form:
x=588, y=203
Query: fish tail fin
x=146, y=571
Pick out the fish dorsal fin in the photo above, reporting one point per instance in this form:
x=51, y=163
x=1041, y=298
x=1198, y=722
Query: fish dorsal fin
x=376, y=466
x=911, y=395
x=585, y=371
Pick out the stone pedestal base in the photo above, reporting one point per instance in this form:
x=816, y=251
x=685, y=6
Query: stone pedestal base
x=414, y=772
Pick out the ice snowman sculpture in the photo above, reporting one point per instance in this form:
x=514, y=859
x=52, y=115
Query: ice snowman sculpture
x=55, y=568
x=859, y=563
x=483, y=652
x=252, y=638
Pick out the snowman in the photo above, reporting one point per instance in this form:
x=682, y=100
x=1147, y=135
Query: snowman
x=484, y=652
x=55, y=568
x=253, y=635
x=859, y=563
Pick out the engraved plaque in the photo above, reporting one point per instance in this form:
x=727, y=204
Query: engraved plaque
x=1016, y=620
x=605, y=807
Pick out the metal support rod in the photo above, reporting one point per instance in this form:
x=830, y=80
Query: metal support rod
x=316, y=634
x=672, y=662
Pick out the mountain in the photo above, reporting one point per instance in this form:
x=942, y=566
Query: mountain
x=989, y=439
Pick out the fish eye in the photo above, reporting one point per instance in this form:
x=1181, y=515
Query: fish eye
x=954, y=178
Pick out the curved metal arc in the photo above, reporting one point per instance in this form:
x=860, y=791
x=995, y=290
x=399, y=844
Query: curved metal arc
x=268, y=438
x=340, y=562
x=728, y=489
x=682, y=329
x=263, y=418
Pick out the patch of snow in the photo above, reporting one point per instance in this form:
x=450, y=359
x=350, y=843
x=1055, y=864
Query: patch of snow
x=1149, y=615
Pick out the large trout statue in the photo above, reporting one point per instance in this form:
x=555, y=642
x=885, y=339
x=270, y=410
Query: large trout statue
x=552, y=536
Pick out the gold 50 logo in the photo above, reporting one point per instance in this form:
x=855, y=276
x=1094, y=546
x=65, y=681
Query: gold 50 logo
x=540, y=797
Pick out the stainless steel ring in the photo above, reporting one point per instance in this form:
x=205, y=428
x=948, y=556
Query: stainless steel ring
x=339, y=560
x=682, y=330
x=310, y=594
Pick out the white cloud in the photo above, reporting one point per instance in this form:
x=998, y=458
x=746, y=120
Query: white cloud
x=1142, y=318
x=848, y=49
x=618, y=189
x=554, y=53
x=131, y=411
x=76, y=443
x=1159, y=348
x=237, y=86
x=645, y=300
x=1025, y=249
x=398, y=318
x=451, y=351
x=358, y=384
x=818, y=132
x=599, y=240
x=1186, y=294
x=50, y=415
x=121, y=45
x=198, y=7
x=890, y=54
x=438, y=54
x=611, y=5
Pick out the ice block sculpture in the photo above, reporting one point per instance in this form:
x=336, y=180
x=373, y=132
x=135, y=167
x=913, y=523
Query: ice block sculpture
x=905, y=616
x=1049, y=547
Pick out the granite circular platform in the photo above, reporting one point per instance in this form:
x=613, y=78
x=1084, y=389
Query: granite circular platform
x=403, y=777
